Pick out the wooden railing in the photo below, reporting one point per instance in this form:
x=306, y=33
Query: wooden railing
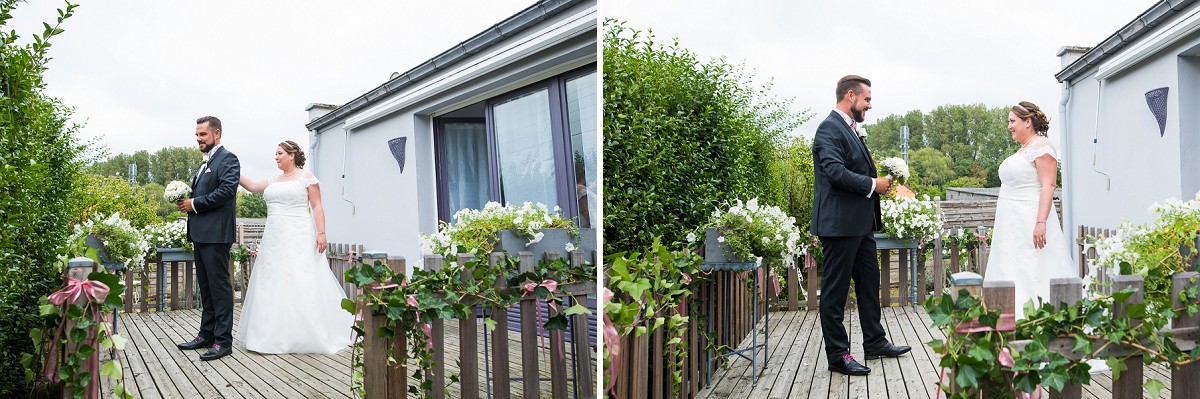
x=171, y=285
x=1185, y=380
x=1087, y=252
x=941, y=271
x=569, y=374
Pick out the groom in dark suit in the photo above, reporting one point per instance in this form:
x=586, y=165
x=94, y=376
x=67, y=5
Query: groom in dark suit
x=212, y=215
x=845, y=213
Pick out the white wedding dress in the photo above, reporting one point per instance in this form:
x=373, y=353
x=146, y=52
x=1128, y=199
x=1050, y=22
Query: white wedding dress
x=1013, y=256
x=293, y=303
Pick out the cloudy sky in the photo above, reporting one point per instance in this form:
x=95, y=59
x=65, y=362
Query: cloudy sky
x=918, y=54
x=140, y=72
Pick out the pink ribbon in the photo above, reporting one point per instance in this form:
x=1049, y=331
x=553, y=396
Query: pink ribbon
x=612, y=342
x=552, y=286
x=90, y=291
x=93, y=289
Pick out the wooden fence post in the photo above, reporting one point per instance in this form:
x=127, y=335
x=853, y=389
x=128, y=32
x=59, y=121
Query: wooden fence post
x=468, y=340
x=1185, y=380
x=1001, y=296
x=529, y=334
x=1130, y=383
x=500, y=366
x=374, y=347
x=558, y=355
x=939, y=269
x=812, y=281
x=579, y=337
x=1066, y=291
x=437, y=335
x=397, y=377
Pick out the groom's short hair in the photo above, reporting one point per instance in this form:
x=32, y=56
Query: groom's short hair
x=213, y=122
x=850, y=82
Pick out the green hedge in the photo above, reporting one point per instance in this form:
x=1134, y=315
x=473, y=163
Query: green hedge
x=682, y=136
x=39, y=171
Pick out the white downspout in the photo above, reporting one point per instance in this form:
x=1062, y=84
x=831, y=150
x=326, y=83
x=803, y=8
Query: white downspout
x=1068, y=211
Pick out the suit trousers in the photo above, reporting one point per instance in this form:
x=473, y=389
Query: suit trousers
x=216, y=292
x=846, y=259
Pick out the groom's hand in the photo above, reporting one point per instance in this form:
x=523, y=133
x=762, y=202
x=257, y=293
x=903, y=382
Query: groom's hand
x=882, y=184
x=185, y=205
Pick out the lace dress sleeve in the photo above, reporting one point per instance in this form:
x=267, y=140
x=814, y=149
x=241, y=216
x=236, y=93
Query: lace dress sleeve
x=1040, y=146
x=307, y=179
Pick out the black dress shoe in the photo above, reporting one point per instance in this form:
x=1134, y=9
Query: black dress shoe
x=846, y=365
x=888, y=350
x=195, y=344
x=216, y=352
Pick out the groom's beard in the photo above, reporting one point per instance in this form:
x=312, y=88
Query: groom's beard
x=857, y=114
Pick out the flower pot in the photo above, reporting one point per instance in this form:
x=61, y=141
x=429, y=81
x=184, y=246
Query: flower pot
x=883, y=241
x=101, y=255
x=553, y=240
x=716, y=251
x=174, y=254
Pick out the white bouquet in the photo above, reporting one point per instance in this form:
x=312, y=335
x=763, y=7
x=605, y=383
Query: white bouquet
x=895, y=169
x=176, y=191
x=908, y=219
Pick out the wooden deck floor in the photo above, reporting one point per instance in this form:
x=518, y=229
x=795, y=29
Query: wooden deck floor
x=155, y=368
x=796, y=367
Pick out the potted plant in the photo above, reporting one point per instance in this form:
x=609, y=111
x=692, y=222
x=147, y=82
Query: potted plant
x=169, y=241
x=906, y=220
x=751, y=233
x=509, y=228
x=113, y=241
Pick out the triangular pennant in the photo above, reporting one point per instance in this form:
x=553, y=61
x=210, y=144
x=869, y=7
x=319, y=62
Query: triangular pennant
x=1157, y=100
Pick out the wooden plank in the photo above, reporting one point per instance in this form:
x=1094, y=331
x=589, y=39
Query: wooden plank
x=905, y=294
x=939, y=269
x=1185, y=380
x=143, y=362
x=397, y=374
x=209, y=379
x=468, y=338
x=529, y=329
x=917, y=376
x=813, y=281
x=1130, y=383
x=175, y=297
x=885, y=278
x=1066, y=291
x=189, y=297
x=500, y=367
x=437, y=340
x=579, y=338
x=793, y=295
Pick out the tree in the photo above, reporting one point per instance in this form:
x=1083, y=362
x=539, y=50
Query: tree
x=251, y=205
x=40, y=161
x=118, y=166
x=681, y=136
x=932, y=165
x=975, y=138
x=175, y=163
x=105, y=195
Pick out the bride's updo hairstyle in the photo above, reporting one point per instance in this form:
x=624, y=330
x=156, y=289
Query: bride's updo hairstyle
x=291, y=147
x=1029, y=111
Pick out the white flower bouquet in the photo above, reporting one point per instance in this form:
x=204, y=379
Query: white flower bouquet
x=758, y=231
x=176, y=191
x=909, y=219
x=474, y=230
x=895, y=169
x=122, y=242
x=168, y=235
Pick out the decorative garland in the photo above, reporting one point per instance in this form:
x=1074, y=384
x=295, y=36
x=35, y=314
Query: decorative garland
x=86, y=306
x=411, y=303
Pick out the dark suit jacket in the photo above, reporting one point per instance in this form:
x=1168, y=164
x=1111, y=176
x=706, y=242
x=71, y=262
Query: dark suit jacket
x=842, y=177
x=214, y=200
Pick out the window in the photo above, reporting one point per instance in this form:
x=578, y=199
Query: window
x=535, y=144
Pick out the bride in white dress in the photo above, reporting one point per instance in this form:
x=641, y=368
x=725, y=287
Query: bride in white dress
x=293, y=303
x=1028, y=246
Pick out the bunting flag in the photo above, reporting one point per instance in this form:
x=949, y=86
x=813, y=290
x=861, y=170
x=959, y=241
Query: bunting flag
x=397, y=147
x=1157, y=100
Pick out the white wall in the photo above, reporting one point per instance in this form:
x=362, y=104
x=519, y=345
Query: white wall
x=1142, y=167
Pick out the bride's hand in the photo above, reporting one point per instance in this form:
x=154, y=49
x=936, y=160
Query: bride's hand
x=1039, y=235
x=321, y=244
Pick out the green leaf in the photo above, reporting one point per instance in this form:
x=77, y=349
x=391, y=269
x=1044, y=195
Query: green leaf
x=1154, y=387
x=967, y=376
x=982, y=354
x=1054, y=379
x=577, y=309
x=1082, y=343
x=1136, y=310
x=1117, y=365
x=489, y=324
x=350, y=306
x=111, y=369
x=119, y=342
x=48, y=310
x=1123, y=295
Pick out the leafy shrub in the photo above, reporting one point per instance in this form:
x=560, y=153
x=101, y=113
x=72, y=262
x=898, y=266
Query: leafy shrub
x=250, y=205
x=40, y=162
x=680, y=137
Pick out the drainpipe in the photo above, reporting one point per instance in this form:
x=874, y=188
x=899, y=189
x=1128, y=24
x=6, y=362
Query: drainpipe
x=1068, y=212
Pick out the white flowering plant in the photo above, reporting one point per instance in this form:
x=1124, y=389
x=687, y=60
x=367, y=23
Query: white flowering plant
x=754, y=231
x=168, y=235
x=1154, y=250
x=474, y=230
x=122, y=242
x=176, y=191
x=909, y=219
x=895, y=169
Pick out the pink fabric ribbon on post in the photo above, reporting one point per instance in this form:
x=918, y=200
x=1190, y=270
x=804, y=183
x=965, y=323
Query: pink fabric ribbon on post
x=91, y=291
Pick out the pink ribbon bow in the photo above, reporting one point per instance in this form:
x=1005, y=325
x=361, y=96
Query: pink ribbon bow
x=93, y=289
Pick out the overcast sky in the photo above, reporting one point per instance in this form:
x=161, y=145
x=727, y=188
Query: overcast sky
x=140, y=72
x=918, y=54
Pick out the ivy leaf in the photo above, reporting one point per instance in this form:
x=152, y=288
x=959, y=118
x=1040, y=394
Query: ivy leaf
x=982, y=353
x=119, y=342
x=1154, y=387
x=1117, y=365
x=1026, y=382
x=1082, y=343
x=577, y=309
x=967, y=376
x=1055, y=379
x=1136, y=310
x=349, y=306
x=110, y=369
x=489, y=324
x=48, y=310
